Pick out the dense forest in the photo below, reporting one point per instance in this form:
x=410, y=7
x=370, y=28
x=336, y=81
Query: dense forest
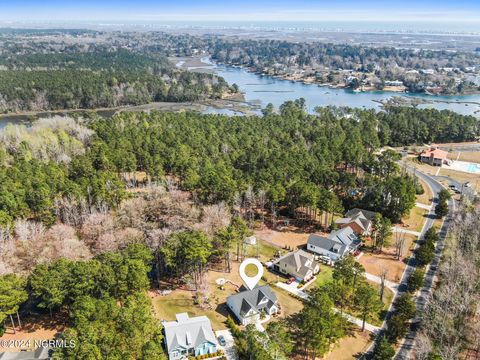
x=295, y=159
x=34, y=82
x=346, y=65
x=450, y=325
x=113, y=206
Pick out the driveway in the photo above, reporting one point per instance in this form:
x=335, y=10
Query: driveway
x=402, y=230
x=229, y=348
x=292, y=289
x=302, y=294
x=389, y=284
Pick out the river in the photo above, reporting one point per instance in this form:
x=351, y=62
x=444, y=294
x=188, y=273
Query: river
x=260, y=89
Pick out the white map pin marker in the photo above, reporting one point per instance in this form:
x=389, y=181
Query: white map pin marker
x=251, y=281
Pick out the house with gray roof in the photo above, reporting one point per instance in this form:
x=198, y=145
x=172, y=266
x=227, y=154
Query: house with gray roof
x=41, y=353
x=299, y=264
x=338, y=244
x=361, y=221
x=249, y=305
x=189, y=337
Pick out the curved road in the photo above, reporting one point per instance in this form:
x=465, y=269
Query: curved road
x=431, y=273
x=406, y=347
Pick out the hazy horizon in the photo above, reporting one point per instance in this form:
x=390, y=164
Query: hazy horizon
x=463, y=14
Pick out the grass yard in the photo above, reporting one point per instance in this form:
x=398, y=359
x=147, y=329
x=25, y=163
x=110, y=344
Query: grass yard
x=288, y=303
x=324, y=275
x=470, y=156
x=350, y=347
x=181, y=300
x=415, y=219
x=375, y=263
x=426, y=197
x=377, y=319
x=293, y=238
x=264, y=250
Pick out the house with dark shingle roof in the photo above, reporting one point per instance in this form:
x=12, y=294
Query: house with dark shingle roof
x=299, y=264
x=248, y=305
x=338, y=244
x=189, y=337
x=361, y=221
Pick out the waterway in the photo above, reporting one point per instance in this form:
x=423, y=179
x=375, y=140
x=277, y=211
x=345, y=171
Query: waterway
x=261, y=90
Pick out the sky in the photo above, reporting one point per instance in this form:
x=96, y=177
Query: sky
x=240, y=10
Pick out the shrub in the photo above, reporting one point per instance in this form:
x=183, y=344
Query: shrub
x=415, y=280
x=425, y=253
x=397, y=328
x=419, y=190
x=383, y=350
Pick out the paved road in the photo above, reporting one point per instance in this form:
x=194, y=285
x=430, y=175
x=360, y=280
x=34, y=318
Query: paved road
x=229, y=348
x=406, y=347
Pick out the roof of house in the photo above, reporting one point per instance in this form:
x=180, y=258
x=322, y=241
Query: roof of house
x=188, y=332
x=298, y=260
x=338, y=241
x=257, y=299
x=370, y=215
x=326, y=243
x=436, y=153
x=345, y=236
x=362, y=218
x=41, y=353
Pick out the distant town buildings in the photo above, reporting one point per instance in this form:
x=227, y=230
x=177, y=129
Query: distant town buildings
x=393, y=83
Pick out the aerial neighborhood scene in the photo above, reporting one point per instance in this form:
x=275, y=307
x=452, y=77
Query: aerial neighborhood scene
x=254, y=180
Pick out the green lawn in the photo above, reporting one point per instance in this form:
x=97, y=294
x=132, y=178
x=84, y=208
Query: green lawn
x=415, y=219
x=264, y=250
x=324, y=276
x=167, y=306
x=377, y=318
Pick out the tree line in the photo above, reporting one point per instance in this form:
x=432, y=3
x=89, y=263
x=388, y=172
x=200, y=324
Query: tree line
x=104, y=300
x=292, y=159
x=35, y=82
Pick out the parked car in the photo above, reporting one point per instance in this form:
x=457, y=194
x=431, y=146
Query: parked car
x=356, y=253
x=221, y=340
x=290, y=280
